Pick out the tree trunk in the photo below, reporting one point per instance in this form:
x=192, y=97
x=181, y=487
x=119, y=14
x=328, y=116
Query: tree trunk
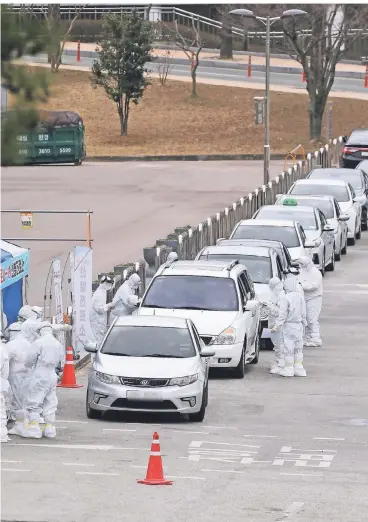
x=316, y=110
x=123, y=125
x=194, y=83
x=123, y=110
x=245, y=42
x=226, y=49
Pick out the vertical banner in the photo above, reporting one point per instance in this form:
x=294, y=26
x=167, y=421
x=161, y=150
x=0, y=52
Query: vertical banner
x=82, y=294
x=56, y=283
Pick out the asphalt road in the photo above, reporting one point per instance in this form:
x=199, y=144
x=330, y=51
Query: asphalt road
x=270, y=449
x=134, y=204
x=231, y=75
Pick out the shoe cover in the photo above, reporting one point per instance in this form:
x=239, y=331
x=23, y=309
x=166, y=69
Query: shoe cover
x=288, y=371
x=19, y=428
x=33, y=432
x=299, y=370
x=49, y=432
x=5, y=438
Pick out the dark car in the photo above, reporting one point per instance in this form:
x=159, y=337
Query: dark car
x=355, y=149
x=357, y=178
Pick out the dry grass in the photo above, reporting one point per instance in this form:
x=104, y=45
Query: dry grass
x=169, y=121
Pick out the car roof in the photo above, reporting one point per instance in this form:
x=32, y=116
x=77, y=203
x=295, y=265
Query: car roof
x=332, y=170
x=296, y=208
x=271, y=243
x=198, y=268
x=362, y=165
x=152, y=320
x=306, y=196
x=235, y=250
x=358, y=137
x=321, y=181
x=268, y=222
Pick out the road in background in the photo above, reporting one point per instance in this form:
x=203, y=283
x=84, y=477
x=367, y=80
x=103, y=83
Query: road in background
x=270, y=449
x=134, y=203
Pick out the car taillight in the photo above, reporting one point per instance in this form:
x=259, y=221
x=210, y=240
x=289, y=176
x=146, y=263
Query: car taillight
x=349, y=150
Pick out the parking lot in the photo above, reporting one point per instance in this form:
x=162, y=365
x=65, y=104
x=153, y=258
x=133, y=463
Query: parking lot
x=270, y=449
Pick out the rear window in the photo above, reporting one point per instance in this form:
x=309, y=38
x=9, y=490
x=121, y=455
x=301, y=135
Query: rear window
x=187, y=292
x=354, y=178
x=259, y=268
x=340, y=193
x=358, y=138
x=286, y=235
x=325, y=206
x=306, y=219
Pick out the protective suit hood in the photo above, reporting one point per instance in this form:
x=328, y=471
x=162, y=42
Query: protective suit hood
x=275, y=285
x=134, y=281
x=306, y=263
x=291, y=284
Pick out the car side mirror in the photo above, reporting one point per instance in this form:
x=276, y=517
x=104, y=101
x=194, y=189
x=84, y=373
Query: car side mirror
x=90, y=347
x=309, y=244
x=344, y=217
x=328, y=228
x=294, y=264
x=251, y=305
x=293, y=270
x=207, y=352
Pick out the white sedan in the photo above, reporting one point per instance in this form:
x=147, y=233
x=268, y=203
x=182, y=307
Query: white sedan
x=317, y=230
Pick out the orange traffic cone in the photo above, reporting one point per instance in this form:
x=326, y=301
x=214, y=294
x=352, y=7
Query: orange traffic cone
x=155, y=474
x=304, y=77
x=69, y=380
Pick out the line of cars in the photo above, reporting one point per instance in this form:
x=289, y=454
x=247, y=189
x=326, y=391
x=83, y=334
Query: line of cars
x=208, y=313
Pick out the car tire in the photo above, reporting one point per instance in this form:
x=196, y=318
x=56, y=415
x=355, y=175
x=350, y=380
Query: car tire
x=338, y=256
x=323, y=269
x=344, y=250
x=200, y=415
x=359, y=233
x=351, y=241
x=257, y=348
x=331, y=266
x=239, y=371
x=91, y=412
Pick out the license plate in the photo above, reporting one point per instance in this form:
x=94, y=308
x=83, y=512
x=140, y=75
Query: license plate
x=137, y=395
x=364, y=153
x=266, y=333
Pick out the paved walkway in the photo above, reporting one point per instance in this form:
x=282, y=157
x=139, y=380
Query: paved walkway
x=256, y=60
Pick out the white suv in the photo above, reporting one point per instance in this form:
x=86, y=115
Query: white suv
x=219, y=298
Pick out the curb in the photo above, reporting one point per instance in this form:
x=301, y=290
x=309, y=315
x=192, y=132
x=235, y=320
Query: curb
x=229, y=66
x=184, y=157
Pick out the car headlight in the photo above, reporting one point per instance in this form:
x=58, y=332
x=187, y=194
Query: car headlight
x=228, y=336
x=183, y=381
x=106, y=378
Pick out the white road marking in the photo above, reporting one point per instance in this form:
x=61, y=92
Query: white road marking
x=142, y=424
x=116, y=429
x=222, y=471
x=14, y=469
x=186, y=478
x=198, y=443
x=71, y=421
x=261, y=436
x=191, y=432
x=12, y=461
x=292, y=509
x=303, y=474
x=80, y=447
x=97, y=473
x=287, y=449
x=219, y=427
x=77, y=464
x=326, y=438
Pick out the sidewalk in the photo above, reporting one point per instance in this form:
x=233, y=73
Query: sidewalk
x=238, y=59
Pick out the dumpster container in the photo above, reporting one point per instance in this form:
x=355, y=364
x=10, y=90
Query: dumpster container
x=59, y=138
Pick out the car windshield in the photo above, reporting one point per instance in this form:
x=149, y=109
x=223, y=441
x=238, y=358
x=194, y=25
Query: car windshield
x=324, y=205
x=259, y=268
x=306, y=219
x=355, y=179
x=149, y=341
x=286, y=235
x=192, y=293
x=340, y=193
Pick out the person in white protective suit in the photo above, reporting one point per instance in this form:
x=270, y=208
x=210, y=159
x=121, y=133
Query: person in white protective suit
x=22, y=359
x=43, y=380
x=292, y=319
x=4, y=389
x=125, y=300
x=311, y=280
x=99, y=309
x=277, y=293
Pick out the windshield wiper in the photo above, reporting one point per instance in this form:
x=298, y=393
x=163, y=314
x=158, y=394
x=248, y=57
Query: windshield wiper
x=117, y=353
x=152, y=306
x=195, y=308
x=164, y=356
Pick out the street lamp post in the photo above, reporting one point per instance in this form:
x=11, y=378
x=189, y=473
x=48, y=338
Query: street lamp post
x=268, y=22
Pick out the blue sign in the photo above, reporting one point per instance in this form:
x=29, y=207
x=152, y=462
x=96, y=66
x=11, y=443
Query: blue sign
x=14, y=269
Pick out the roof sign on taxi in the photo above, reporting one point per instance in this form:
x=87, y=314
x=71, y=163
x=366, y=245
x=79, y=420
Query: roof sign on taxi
x=290, y=202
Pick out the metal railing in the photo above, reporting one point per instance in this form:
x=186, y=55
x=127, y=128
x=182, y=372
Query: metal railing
x=188, y=241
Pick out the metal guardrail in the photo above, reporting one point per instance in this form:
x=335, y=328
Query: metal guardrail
x=188, y=241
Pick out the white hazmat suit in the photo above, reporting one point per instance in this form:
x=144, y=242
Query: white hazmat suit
x=4, y=389
x=22, y=359
x=43, y=381
x=311, y=280
x=277, y=293
x=291, y=319
x=99, y=309
x=125, y=300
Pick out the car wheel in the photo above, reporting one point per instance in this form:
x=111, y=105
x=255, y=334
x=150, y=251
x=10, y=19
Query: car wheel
x=199, y=416
x=331, y=266
x=92, y=413
x=323, y=269
x=338, y=256
x=239, y=371
x=351, y=241
x=344, y=251
x=256, y=356
x=359, y=233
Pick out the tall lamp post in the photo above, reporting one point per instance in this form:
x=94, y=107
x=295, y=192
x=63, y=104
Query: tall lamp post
x=268, y=22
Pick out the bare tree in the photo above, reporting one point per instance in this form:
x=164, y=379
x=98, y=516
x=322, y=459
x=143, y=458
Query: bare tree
x=164, y=68
x=191, y=47
x=333, y=31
